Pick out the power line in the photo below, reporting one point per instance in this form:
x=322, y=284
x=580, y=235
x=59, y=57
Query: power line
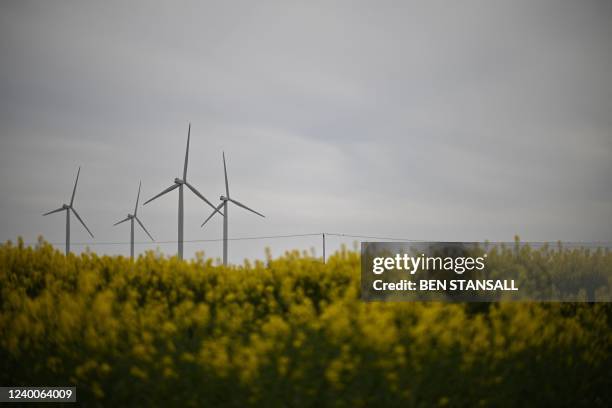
x=187, y=240
x=372, y=237
x=312, y=234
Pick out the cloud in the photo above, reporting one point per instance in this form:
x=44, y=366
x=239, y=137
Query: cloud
x=477, y=120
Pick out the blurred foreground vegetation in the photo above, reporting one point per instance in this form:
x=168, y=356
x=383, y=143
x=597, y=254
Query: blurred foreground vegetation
x=288, y=332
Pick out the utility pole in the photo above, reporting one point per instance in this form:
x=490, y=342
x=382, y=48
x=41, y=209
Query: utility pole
x=323, y=247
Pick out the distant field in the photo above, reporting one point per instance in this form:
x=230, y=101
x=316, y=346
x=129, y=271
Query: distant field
x=289, y=332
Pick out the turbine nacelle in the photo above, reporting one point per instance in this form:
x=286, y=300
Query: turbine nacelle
x=179, y=181
x=65, y=206
x=223, y=198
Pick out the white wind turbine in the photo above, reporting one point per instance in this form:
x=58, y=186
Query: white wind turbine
x=131, y=218
x=179, y=183
x=224, y=200
x=68, y=208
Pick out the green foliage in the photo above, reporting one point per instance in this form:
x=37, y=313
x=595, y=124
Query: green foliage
x=290, y=332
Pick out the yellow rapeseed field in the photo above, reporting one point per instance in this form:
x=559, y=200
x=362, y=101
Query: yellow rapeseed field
x=289, y=332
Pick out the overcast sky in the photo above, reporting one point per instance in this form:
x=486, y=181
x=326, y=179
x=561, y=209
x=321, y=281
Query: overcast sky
x=424, y=120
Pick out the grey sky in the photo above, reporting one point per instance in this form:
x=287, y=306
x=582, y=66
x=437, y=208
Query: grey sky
x=429, y=120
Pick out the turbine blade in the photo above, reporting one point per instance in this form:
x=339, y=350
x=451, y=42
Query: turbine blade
x=54, y=211
x=187, y=153
x=80, y=219
x=123, y=220
x=239, y=204
x=196, y=192
x=137, y=198
x=172, y=187
x=211, y=215
x=145, y=230
x=75, y=185
x=225, y=172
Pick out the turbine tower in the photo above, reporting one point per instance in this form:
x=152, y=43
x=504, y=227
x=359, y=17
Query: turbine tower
x=68, y=208
x=224, y=203
x=131, y=218
x=179, y=183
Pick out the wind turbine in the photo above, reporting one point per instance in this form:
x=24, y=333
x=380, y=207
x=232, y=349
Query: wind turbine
x=68, y=208
x=179, y=183
x=224, y=203
x=131, y=218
